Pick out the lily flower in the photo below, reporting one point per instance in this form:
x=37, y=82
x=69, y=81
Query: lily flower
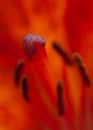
x=46, y=65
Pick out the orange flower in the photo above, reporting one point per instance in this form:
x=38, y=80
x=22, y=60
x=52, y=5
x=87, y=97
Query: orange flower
x=31, y=94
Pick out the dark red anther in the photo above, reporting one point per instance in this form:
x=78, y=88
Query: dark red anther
x=60, y=98
x=82, y=69
x=63, y=53
x=18, y=71
x=25, y=87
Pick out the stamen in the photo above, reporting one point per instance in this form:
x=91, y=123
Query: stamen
x=18, y=71
x=62, y=52
x=82, y=69
x=25, y=88
x=30, y=42
x=60, y=98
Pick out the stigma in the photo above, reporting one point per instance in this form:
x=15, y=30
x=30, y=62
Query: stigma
x=32, y=44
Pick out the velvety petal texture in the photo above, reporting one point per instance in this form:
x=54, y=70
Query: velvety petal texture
x=46, y=50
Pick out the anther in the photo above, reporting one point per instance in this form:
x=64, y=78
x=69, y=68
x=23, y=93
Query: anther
x=25, y=88
x=60, y=98
x=82, y=69
x=32, y=43
x=18, y=71
x=63, y=53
